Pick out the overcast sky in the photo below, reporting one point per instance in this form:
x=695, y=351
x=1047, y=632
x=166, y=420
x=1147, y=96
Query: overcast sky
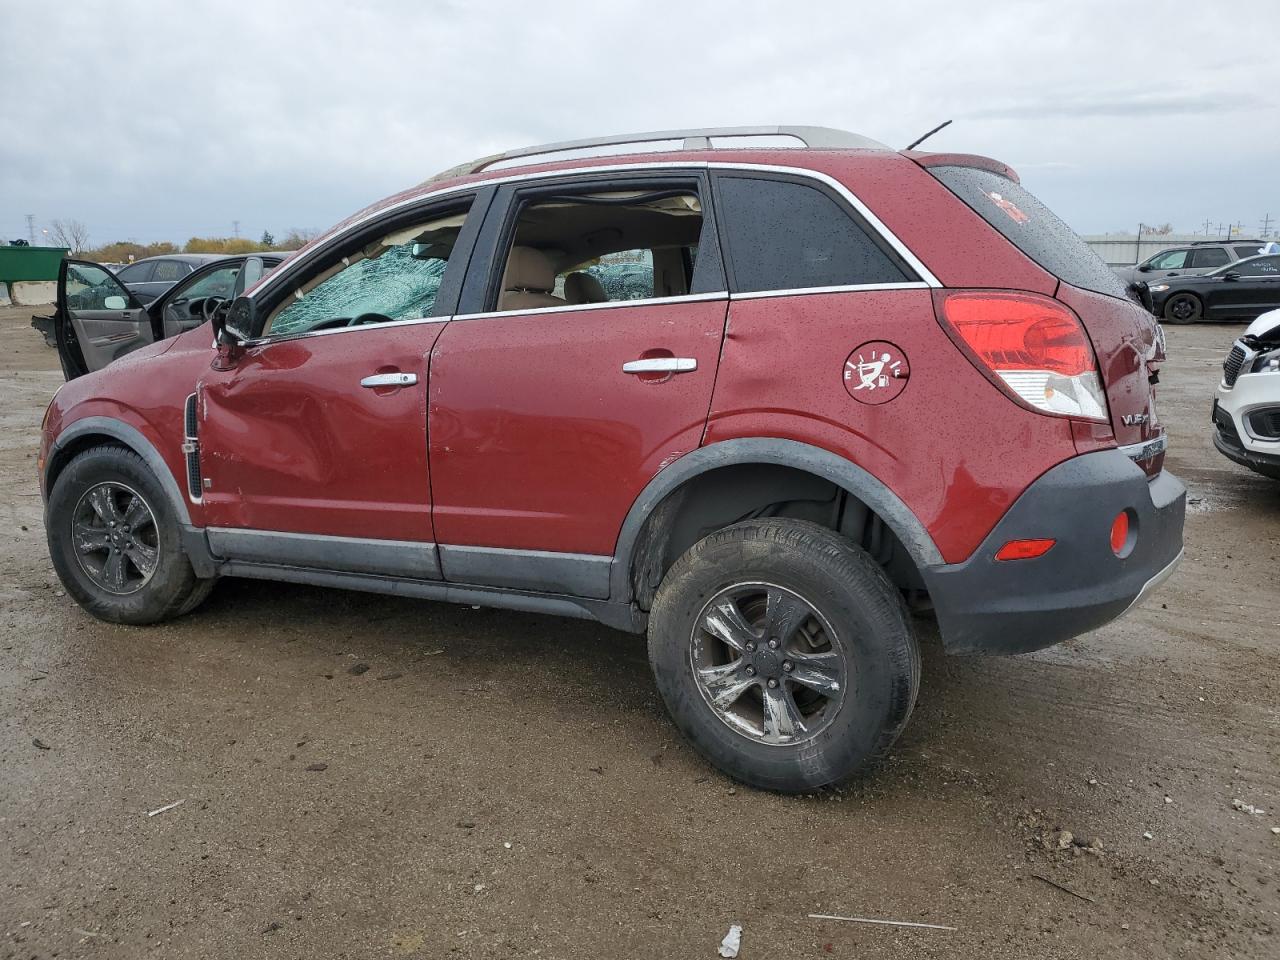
x=160, y=121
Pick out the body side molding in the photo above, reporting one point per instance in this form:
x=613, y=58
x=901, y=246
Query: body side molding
x=579, y=574
x=360, y=555
x=616, y=615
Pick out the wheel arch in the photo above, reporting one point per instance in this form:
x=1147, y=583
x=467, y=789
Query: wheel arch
x=89, y=432
x=645, y=546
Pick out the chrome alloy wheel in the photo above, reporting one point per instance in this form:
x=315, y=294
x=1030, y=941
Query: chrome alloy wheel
x=768, y=663
x=116, y=541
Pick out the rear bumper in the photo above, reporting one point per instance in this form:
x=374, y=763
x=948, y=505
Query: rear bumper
x=986, y=605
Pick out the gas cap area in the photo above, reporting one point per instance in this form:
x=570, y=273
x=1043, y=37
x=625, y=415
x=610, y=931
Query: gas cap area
x=876, y=372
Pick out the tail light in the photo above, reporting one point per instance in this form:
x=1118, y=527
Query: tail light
x=1033, y=348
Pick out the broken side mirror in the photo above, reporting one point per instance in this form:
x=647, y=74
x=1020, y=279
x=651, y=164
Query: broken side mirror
x=237, y=322
x=229, y=332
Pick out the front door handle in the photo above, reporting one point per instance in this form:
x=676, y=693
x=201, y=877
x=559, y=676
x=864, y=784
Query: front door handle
x=390, y=380
x=661, y=365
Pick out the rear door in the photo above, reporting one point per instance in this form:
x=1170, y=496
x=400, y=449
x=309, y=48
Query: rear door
x=547, y=417
x=97, y=319
x=1256, y=290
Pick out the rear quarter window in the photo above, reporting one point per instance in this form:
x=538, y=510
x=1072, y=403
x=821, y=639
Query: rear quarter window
x=784, y=235
x=1031, y=227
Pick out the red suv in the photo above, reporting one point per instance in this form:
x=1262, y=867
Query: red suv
x=760, y=392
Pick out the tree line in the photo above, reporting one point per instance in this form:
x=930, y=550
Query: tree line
x=73, y=235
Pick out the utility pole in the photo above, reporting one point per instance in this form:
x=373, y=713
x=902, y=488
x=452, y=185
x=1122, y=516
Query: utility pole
x=1207, y=225
x=31, y=228
x=235, y=228
x=1266, y=227
x=1238, y=229
x=1221, y=227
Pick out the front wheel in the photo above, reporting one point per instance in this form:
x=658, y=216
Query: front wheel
x=1183, y=308
x=784, y=654
x=115, y=541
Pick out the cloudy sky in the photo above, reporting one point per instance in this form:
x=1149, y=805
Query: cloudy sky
x=160, y=121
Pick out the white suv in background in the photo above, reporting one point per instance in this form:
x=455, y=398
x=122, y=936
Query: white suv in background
x=1246, y=411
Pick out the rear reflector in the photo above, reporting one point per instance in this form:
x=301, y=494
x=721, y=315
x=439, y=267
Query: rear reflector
x=1120, y=532
x=1032, y=347
x=1024, y=549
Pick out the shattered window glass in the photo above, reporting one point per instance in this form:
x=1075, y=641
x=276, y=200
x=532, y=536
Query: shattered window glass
x=395, y=286
x=396, y=277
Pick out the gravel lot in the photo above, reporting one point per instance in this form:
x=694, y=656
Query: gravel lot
x=370, y=777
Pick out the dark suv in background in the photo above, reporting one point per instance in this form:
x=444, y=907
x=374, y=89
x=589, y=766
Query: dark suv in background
x=1190, y=259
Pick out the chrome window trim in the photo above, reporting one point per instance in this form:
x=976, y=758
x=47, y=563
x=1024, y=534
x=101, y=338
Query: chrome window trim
x=302, y=334
x=648, y=301
x=876, y=224
x=274, y=278
x=847, y=288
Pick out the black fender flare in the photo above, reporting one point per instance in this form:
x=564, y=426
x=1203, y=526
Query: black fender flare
x=769, y=450
x=131, y=437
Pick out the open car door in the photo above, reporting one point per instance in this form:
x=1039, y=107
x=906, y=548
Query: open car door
x=98, y=319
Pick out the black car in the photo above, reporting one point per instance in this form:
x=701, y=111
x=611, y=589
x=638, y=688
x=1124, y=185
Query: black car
x=153, y=277
x=98, y=319
x=1238, y=291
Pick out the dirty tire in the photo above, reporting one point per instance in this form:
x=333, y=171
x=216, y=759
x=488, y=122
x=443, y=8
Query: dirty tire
x=1183, y=308
x=842, y=586
x=172, y=588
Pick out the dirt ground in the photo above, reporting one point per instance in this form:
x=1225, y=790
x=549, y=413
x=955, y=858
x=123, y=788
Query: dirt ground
x=499, y=784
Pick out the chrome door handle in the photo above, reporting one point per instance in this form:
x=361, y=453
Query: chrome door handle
x=661, y=365
x=390, y=380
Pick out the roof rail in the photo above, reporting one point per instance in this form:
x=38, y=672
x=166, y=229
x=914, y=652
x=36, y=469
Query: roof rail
x=814, y=138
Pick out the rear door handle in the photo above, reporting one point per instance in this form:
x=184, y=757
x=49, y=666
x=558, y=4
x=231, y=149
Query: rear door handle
x=661, y=365
x=390, y=380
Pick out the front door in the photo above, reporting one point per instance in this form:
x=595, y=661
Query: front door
x=97, y=319
x=312, y=443
x=589, y=371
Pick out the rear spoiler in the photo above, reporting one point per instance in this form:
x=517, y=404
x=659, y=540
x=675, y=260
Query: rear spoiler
x=927, y=159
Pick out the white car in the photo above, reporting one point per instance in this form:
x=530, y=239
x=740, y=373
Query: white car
x=1246, y=411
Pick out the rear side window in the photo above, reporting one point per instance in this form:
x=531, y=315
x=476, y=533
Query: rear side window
x=1209, y=257
x=1251, y=250
x=170, y=270
x=789, y=236
x=1031, y=227
x=1258, y=267
x=136, y=273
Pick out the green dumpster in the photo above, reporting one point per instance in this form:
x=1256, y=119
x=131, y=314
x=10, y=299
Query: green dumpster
x=30, y=263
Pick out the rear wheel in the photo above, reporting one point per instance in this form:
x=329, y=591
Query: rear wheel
x=115, y=541
x=1183, y=308
x=784, y=654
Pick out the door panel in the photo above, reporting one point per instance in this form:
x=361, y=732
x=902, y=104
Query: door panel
x=291, y=441
x=106, y=320
x=540, y=441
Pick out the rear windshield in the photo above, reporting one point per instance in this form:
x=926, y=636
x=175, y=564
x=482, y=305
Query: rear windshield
x=1032, y=227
